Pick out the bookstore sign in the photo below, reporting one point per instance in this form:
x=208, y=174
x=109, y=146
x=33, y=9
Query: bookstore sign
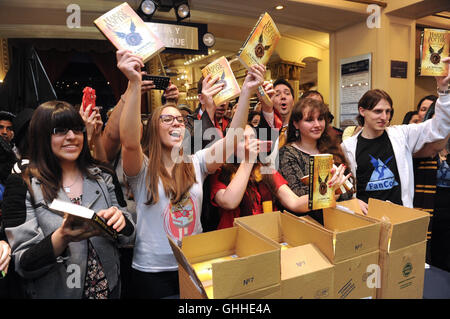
x=180, y=38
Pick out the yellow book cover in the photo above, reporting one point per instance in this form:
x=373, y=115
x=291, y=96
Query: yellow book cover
x=261, y=42
x=221, y=68
x=204, y=272
x=435, y=46
x=320, y=194
x=126, y=30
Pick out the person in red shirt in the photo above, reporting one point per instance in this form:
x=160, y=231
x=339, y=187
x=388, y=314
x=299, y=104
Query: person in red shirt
x=249, y=188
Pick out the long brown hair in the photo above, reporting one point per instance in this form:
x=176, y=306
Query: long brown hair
x=183, y=173
x=326, y=143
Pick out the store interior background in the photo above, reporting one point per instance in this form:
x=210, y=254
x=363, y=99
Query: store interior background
x=316, y=35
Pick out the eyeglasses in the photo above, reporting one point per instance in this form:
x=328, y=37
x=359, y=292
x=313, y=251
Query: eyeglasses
x=168, y=119
x=62, y=131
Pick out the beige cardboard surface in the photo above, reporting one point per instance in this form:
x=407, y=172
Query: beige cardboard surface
x=402, y=226
x=352, y=234
x=402, y=272
x=272, y=292
x=284, y=227
x=351, y=276
x=306, y=273
x=258, y=265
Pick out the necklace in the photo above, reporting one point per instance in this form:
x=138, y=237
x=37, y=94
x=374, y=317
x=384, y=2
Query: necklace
x=67, y=188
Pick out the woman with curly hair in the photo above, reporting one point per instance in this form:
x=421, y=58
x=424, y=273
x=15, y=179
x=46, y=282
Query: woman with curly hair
x=308, y=135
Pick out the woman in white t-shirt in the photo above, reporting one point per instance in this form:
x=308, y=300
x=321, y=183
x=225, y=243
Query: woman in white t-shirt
x=166, y=183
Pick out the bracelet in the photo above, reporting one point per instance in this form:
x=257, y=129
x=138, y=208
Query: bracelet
x=443, y=91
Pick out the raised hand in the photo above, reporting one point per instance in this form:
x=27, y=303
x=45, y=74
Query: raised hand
x=171, y=93
x=130, y=65
x=254, y=78
x=443, y=81
x=146, y=85
x=93, y=121
x=268, y=88
x=209, y=89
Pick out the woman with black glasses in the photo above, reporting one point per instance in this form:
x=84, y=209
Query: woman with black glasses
x=166, y=183
x=62, y=256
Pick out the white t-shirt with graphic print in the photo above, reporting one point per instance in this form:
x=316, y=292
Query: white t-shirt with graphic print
x=152, y=252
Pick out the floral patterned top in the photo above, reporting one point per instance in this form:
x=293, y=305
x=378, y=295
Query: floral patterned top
x=294, y=164
x=95, y=283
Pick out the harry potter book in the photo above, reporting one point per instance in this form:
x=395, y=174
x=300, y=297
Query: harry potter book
x=435, y=45
x=84, y=214
x=320, y=194
x=259, y=46
x=261, y=42
x=221, y=68
x=126, y=30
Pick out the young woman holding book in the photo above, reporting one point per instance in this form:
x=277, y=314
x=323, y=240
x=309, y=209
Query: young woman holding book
x=250, y=188
x=63, y=257
x=166, y=183
x=308, y=135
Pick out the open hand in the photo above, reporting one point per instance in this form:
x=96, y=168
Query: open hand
x=338, y=178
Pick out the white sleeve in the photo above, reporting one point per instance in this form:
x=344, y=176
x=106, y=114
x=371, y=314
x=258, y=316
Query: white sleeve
x=431, y=130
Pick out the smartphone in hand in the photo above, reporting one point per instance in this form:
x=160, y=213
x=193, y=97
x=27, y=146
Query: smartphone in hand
x=88, y=98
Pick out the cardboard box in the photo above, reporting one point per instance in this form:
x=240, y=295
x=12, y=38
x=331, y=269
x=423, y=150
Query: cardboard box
x=355, y=250
x=188, y=290
x=352, y=234
x=257, y=265
x=353, y=277
x=403, y=272
x=402, y=247
x=305, y=271
x=306, y=274
x=401, y=226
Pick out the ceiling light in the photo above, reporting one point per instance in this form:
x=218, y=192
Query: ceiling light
x=182, y=9
x=148, y=7
x=279, y=7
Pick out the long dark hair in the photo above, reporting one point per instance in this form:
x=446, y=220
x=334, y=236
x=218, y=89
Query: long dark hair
x=326, y=143
x=44, y=165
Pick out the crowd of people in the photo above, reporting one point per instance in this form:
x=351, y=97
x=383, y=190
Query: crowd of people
x=186, y=172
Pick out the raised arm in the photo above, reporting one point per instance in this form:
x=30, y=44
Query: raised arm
x=94, y=126
x=110, y=136
x=219, y=151
x=130, y=119
x=231, y=197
